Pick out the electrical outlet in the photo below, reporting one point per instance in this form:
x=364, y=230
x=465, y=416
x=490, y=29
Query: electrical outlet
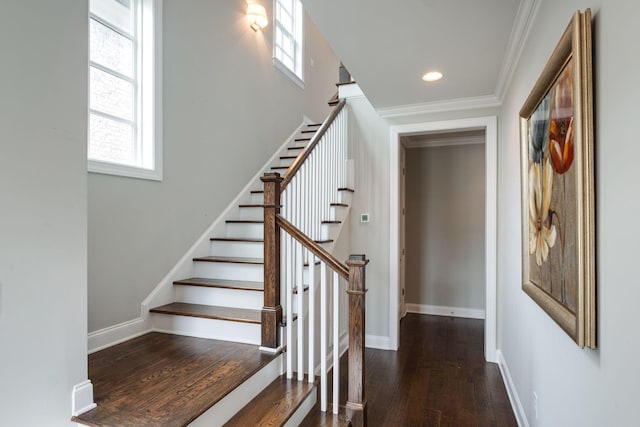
x=535, y=405
x=364, y=217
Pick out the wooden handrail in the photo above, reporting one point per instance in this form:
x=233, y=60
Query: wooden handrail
x=293, y=169
x=312, y=246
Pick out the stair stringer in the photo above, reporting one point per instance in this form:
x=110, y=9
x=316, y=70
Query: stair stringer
x=164, y=291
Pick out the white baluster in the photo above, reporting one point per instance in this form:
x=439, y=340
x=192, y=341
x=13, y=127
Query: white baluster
x=300, y=327
x=312, y=316
x=336, y=341
x=323, y=337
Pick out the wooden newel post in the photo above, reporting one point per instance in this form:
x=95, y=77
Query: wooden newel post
x=271, y=310
x=356, y=402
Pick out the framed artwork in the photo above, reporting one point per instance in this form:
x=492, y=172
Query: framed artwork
x=556, y=140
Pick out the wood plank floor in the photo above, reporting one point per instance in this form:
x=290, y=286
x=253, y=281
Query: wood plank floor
x=437, y=378
x=166, y=380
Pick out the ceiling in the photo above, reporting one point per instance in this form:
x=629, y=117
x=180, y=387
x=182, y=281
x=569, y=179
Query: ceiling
x=388, y=45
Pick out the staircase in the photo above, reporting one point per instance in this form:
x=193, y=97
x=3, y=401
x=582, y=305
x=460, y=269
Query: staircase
x=233, y=292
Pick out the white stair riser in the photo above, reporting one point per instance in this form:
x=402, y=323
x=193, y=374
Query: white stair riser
x=252, y=213
x=328, y=231
x=286, y=162
x=224, y=330
x=229, y=271
x=224, y=297
x=249, y=231
x=257, y=198
x=237, y=249
x=338, y=212
x=345, y=197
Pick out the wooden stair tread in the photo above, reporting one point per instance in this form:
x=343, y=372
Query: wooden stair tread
x=350, y=190
x=221, y=283
x=342, y=205
x=232, y=260
x=136, y=383
x=317, y=418
x=331, y=222
x=324, y=241
x=245, y=221
x=296, y=148
x=236, y=239
x=257, y=191
x=251, y=205
x=302, y=139
x=210, y=312
x=288, y=157
x=275, y=168
x=314, y=124
x=274, y=405
x=309, y=131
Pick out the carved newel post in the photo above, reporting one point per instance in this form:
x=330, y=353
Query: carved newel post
x=271, y=310
x=356, y=402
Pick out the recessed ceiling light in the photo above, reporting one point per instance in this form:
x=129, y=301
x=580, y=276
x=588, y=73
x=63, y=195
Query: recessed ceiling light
x=432, y=76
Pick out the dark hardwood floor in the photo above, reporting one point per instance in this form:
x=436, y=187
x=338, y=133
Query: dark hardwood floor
x=437, y=378
x=165, y=380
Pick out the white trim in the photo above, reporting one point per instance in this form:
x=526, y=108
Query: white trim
x=82, y=398
x=440, y=310
x=287, y=72
x=378, y=341
x=488, y=123
x=459, y=104
x=519, y=34
x=116, y=334
x=514, y=399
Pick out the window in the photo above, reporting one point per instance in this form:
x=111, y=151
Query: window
x=288, y=38
x=125, y=119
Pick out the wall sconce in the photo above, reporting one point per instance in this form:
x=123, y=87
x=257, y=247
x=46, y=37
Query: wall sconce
x=257, y=16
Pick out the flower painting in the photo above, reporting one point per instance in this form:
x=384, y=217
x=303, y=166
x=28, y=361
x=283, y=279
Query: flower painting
x=551, y=195
x=556, y=126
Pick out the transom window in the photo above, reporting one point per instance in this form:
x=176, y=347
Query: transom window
x=124, y=113
x=288, y=38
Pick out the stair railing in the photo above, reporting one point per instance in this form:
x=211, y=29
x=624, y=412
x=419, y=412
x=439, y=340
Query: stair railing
x=291, y=246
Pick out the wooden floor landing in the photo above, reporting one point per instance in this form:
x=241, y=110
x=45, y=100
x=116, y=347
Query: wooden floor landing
x=437, y=378
x=165, y=380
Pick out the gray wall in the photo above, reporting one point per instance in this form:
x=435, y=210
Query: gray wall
x=43, y=198
x=445, y=199
x=226, y=110
x=577, y=387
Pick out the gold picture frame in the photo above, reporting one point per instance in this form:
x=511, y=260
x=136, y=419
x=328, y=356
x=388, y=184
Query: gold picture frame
x=556, y=140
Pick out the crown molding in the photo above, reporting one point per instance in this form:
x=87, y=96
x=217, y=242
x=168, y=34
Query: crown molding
x=488, y=101
x=522, y=25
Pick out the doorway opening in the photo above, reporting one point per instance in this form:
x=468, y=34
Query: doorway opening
x=401, y=137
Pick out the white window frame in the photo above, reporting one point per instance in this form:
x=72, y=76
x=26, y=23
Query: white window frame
x=148, y=98
x=296, y=74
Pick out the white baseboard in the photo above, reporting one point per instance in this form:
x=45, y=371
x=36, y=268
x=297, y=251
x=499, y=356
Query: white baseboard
x=438, y=310
x=518, y=410
x=82, y=398
x=116, y=334
x=377, y=341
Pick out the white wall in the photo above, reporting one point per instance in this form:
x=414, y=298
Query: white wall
x=445, y=210
x=43, y=197
x=226, y=110
x=577, y=387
